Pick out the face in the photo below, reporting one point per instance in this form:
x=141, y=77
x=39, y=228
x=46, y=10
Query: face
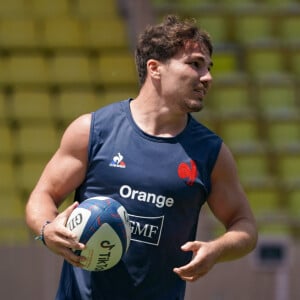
x=186, y=78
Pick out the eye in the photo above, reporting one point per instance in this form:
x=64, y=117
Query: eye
x=195, y=64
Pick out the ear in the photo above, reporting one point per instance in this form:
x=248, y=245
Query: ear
x=153, y=67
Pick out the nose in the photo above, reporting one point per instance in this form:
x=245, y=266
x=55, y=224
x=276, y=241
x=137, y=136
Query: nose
x=206, y=77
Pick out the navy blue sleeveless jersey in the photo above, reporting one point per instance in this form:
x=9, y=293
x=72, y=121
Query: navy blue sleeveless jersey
x=162, y=182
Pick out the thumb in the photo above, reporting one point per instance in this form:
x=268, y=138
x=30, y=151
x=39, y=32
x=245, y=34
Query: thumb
x=190, y=246
x=67, y=212
x=187, y=246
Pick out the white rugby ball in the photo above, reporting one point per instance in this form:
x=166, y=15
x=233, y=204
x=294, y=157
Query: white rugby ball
x=102, y=224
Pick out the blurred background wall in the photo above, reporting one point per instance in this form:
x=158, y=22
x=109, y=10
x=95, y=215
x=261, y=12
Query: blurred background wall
x=63, y=58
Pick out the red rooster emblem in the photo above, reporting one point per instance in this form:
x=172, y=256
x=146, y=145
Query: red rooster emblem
x=188, y=171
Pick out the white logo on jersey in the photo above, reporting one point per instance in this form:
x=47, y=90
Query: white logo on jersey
x=146, y=229
x=118, y=161
x=159, y=201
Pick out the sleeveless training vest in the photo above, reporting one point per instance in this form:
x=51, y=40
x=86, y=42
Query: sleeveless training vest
x=162, y=182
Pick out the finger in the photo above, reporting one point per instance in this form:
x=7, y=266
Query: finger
x=191, y=278
x=187, y=276
x=56, y=230
x=66, y=213
x=60, y=236
x=189, y=270
x=190, y=246
x=185, y=271
x=66, y=233
x=71, y=244
x=72, y=258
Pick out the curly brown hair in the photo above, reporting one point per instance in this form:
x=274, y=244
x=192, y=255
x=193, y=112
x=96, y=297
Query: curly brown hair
x=165, y=40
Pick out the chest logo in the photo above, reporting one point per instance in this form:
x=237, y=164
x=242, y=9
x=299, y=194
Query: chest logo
x=146, y=229
x=188, y=172
x=118, y=161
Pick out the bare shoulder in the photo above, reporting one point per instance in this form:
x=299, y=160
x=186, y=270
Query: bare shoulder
x=70, y=159
x=81, y=125
x=225, y=167
x=224, y=178
x=227, y=199
x=76, y=136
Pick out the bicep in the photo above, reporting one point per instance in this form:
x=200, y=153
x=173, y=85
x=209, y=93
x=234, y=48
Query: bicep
x=66, y=169
x=227, y=199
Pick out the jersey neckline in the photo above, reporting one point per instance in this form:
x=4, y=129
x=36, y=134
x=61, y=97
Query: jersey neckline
x=127, y=110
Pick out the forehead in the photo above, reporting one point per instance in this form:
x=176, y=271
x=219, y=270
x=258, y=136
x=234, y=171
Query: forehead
x=193, y=50
x=192, y=46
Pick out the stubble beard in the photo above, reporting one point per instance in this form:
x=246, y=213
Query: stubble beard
x=193, y=106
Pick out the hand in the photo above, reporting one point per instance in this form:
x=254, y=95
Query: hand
x=61, y=240
x=203, y=260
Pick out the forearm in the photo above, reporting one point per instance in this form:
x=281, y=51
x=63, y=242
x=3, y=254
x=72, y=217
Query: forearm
x=39, y=209
x=42, y=208
x=238, y=240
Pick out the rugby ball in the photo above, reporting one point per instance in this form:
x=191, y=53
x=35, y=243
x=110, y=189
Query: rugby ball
x=102, y=224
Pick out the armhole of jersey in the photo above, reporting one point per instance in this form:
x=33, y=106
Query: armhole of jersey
x=216, y=155
x=91, y=137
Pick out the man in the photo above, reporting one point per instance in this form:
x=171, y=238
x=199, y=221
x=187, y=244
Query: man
x=165, y=153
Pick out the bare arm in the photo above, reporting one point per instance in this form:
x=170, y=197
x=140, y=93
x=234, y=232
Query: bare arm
x=229, y=204
x=62, y=175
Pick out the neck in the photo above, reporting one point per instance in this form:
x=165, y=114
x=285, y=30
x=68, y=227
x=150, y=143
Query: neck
x=155, y=117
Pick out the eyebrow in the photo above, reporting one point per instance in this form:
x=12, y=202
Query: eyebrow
x=201, y=57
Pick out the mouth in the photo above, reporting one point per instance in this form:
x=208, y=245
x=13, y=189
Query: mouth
x=200, y=93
